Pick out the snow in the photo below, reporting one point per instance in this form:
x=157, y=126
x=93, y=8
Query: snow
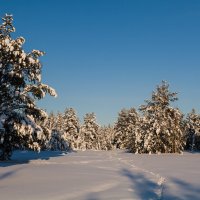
x=1, y=125
x=99, y=175
x=1, y=122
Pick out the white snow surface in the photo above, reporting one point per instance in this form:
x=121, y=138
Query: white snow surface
x=100, y=175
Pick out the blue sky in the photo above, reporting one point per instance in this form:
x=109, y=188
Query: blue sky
x=105, y=55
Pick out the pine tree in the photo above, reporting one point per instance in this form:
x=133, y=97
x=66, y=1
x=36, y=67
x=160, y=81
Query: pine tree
x=89, y=131
x=193, y=131
x=71, y=128
x=49, y=126
x=162, y=125
x=58, y=141
x=59, y=122
x=44, y=141
x=105, y=138
x=20, y=87
x=51, y=121
x=125, y=129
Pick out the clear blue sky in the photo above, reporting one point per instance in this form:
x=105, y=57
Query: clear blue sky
x=103, y=55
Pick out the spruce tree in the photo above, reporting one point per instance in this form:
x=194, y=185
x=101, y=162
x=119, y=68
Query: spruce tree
x=89, y=131
x=51, y=121
x=162, y=125
x=105, y=138
x=58, y=141
x=20, y=87
x=125, y=129
x=193, y=131
x=71, y=128
x=44, y=141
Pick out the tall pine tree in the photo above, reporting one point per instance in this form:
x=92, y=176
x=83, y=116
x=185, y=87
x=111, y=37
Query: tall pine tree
x=105, y=138
x=20, y=87
x=193, y=131
x=125, y=129
x=89, y=131
x=71, y=128
x=162, y=125
x=58, y=139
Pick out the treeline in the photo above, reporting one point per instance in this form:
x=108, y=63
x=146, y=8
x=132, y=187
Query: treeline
x=156, y=127
x=66, y=132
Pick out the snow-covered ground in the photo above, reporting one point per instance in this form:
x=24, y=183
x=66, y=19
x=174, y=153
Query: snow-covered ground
x=97, y=175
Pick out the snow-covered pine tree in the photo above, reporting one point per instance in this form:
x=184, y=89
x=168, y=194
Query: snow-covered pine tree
x=48, y=127
x=125, y=129
x=51, y=121
x=89, y=131
x=59, y=122
x=121, y=138
x=105, y=138
x=162, y=125
x=193, y=131
x=20, y=87
x=44, y=141
x=71, y=128
x=58, y=140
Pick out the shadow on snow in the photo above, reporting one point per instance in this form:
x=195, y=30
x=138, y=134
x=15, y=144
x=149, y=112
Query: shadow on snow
x=142, y=186
x=188, y=190
x=24, y=157
x=146, y=189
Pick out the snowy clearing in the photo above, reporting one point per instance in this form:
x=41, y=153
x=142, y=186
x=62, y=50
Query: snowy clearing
x=97, y=175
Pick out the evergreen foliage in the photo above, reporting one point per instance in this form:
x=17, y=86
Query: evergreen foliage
x=71, y=128
x=58, y=140
x=20, y=87
x=105, y=138
x=89, y=131
x=161, y=125
x=125, y=129
x=193, y=131
x=51, y=122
